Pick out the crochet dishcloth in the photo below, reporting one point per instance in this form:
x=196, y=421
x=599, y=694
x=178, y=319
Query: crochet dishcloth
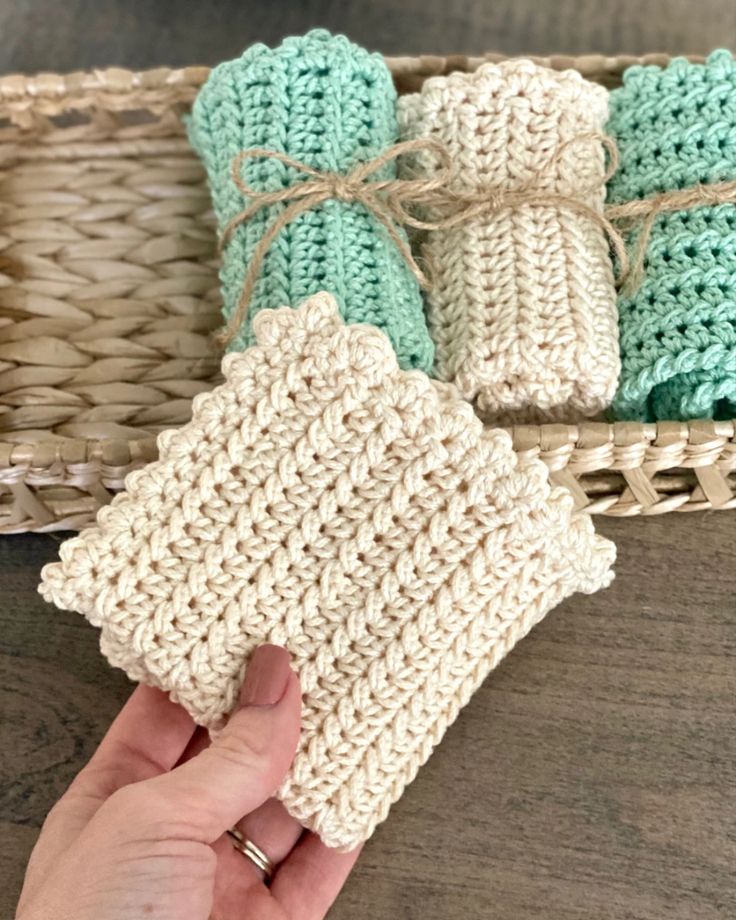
x=676, y=127
x=523, y=312
x=325, y=500
x=331, y=105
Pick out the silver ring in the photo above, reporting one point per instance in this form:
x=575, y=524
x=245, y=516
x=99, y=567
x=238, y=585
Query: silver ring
x=252, y=852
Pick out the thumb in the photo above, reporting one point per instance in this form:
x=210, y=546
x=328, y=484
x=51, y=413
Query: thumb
x=245, y=764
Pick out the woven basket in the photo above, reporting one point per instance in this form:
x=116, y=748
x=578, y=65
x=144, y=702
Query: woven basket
x=109, y=296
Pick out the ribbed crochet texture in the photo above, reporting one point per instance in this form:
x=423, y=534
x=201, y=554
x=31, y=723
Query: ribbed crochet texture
x=676, y=127
x=324, y=500
x=523, y=313
x=331, y=105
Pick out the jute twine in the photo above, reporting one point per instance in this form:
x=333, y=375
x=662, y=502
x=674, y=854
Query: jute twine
x=645, y=211
x=455, y=208
x=385, y=199
x=388, y=201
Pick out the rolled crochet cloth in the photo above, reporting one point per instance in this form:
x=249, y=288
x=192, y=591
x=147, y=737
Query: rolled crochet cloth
x=523, y=312
x=331, y=105
x=325, y=500
x=676, y=127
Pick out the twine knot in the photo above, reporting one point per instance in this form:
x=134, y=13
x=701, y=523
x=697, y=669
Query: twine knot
x=342, y=188
x=386, y=200
x=452, y=208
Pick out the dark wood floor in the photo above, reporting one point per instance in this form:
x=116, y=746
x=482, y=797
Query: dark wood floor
x=593, y=775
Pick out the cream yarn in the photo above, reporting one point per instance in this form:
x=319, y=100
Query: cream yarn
x=523, y=313
x=358, y=514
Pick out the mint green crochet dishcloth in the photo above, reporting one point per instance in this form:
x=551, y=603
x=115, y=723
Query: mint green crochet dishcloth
x=676, y=127
x=330, y=104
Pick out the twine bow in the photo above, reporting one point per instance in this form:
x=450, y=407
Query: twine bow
x=483, y=199
x=388, y=200
x=385, y=199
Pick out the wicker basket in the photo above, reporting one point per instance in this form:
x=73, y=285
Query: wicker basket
x=109, y=295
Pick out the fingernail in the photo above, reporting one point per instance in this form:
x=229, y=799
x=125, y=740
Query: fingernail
x=266, y=676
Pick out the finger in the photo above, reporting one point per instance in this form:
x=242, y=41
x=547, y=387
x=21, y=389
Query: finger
x=273, y=830
x=237, y=887
x=270, y=826
x=309, y=880
x=199, y=741
x=243, y=766
x=145, y=739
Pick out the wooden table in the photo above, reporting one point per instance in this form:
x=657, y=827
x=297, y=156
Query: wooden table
x=592, y=777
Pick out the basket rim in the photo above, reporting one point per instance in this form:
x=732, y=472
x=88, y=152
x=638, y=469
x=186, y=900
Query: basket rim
x=120, y=80
x=706, y=434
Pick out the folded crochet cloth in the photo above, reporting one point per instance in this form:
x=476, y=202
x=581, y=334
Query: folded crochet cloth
x=676, y=127
x=331, y=105
x=523, y=312
x=324, y=500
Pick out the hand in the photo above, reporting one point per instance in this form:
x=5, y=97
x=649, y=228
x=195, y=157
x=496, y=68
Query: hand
x=141, y=831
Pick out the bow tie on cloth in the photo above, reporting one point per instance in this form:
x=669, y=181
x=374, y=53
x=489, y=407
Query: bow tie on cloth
x=326, y=104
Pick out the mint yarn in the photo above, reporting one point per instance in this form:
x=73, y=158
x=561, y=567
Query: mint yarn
x=675, y=127
x=330, y=104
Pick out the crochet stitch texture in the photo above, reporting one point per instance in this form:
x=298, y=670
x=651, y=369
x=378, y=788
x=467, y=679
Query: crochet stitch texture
x=325, y=500
x=331, y=105
x=523, y=313
x=676, y=127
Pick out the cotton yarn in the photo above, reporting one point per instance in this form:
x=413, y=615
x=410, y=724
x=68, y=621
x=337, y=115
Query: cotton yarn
x=523, y=312
x=325, y=500
x=328, y=103
x=676, y=127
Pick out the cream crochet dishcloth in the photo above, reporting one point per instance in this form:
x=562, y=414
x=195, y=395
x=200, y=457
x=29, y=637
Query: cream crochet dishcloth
x=325, y=500
x=523, y=311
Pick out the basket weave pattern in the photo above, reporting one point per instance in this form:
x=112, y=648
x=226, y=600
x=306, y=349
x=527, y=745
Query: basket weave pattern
x=109, y=295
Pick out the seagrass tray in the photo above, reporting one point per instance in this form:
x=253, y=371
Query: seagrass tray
x=109, y=297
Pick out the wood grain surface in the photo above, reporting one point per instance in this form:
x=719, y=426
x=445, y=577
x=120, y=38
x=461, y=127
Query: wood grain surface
x=593, y=775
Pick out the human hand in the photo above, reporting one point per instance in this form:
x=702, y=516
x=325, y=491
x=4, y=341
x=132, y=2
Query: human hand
x=141, y=831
